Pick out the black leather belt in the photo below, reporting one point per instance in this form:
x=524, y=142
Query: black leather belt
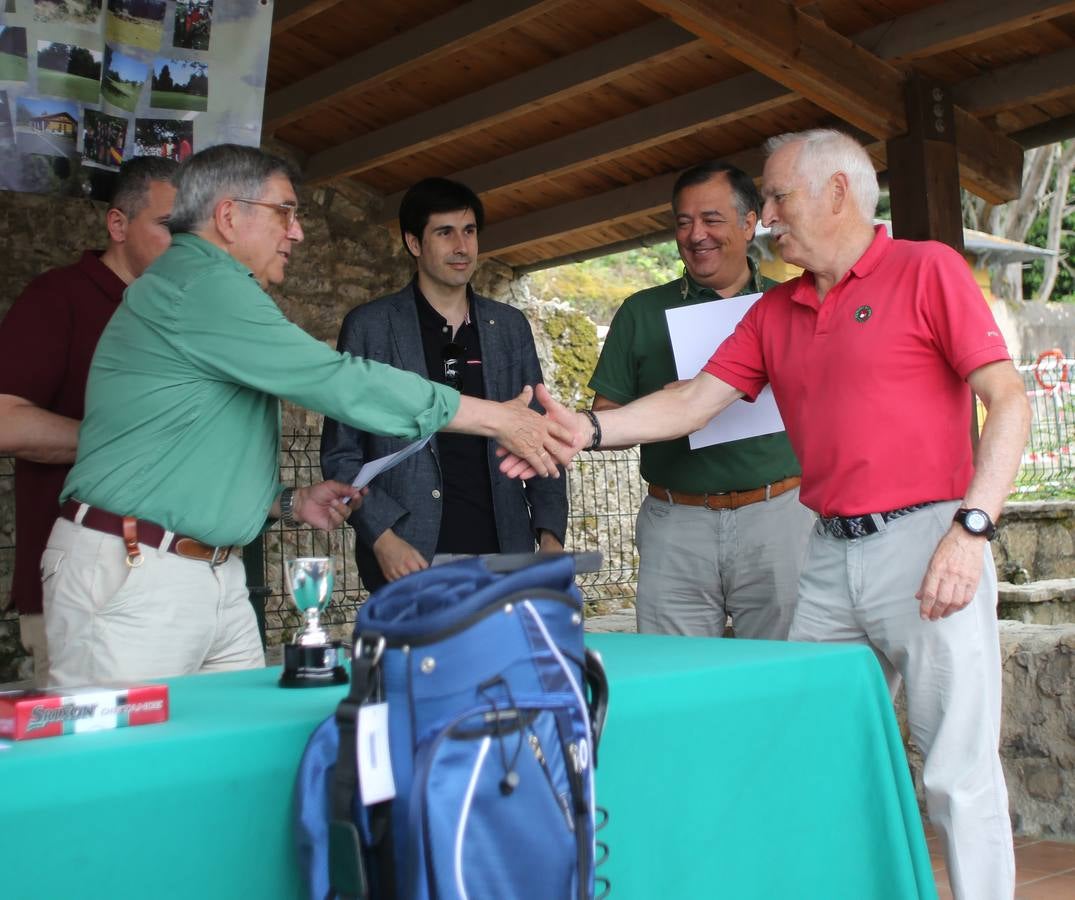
x=850, y=527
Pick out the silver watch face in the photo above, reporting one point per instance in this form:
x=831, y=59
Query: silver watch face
x=976, y=521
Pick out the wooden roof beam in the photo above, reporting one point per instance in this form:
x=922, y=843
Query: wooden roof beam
x=431, y=40
x=841, y=77
x=1048, y=132
x=955, y=24
x=618, y=205
x=707, y=107
x=801, y=53
x=1032, y=81
x=286, y=14
x=568, y=76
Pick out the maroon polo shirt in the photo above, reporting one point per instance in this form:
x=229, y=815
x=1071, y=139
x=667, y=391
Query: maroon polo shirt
x=47, y=341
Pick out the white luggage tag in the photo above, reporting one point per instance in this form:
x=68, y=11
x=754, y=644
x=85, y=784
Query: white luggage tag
x=375, y=781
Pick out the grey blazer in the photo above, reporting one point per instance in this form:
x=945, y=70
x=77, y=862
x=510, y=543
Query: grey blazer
x=406, y=498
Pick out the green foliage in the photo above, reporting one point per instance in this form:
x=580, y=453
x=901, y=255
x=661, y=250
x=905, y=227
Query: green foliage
x=1033, y=274
x=574, y=356
x=597, y=287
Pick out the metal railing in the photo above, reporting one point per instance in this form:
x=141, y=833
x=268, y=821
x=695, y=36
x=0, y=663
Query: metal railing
x=1047, y=468
x=605, y=491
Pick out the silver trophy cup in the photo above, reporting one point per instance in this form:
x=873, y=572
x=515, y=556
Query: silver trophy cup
x=312, y=658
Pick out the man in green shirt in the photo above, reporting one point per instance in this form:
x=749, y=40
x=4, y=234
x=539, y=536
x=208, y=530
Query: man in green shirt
x=721, y=531
x=178, y=451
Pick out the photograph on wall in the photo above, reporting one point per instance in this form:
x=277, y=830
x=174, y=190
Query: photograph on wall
x=193, y=22
x=170, y=138
x=180, y=84
x=103, y=139
x=145, y=61
x=7, y=130
x=123, y=79
x=12, y=53
x=64, y=70
x=67, y=12
x=139, y=23
x=46, y=126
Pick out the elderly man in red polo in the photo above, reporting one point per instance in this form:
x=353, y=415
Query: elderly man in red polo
x=869, y=354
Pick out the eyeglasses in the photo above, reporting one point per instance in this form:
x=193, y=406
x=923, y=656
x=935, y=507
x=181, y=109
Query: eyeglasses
x=453, y=355
x=289, y=209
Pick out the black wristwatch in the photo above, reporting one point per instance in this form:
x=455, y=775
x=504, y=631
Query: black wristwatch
x=976, y=521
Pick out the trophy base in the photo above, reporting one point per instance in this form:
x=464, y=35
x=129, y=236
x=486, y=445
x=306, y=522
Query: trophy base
x=316, y=666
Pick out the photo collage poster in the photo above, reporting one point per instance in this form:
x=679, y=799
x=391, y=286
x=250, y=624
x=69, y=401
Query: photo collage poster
x=87, y=84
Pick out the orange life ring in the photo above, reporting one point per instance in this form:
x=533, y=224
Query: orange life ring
x=1054, y=364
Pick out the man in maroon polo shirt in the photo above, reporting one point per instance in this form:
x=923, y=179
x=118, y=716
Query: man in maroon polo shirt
x=47, y=340
x=870, y=353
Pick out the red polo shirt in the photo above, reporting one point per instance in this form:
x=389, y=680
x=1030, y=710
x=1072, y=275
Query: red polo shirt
x=47, y=341
x=871, y=382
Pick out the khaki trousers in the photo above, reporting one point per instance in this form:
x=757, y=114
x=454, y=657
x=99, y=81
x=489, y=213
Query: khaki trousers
x=698, y=566
x=32, y=638
x=862, y=591
x=109, y=623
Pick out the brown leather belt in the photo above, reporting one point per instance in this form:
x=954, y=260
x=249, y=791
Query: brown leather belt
x=728, y=499
x=135, y=531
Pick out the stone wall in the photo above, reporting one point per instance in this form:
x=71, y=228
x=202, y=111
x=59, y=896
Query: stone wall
x=1032, y=326
x=1037, y=741
x=346, y=259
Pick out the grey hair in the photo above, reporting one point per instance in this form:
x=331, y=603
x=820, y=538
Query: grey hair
x=131, y=193
x=823, y=153
x=225, y=170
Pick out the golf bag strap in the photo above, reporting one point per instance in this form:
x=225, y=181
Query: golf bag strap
x=594, y=671
x=347, y=869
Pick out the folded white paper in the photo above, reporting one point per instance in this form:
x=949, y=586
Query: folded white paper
x=696, y=331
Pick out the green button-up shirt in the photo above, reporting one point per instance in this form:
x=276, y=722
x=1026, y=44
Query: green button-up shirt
x=182, y=422
x=637, y=360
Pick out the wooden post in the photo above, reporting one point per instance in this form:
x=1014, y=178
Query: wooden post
x=923, y=178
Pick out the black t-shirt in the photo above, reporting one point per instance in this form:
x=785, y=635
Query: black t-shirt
x=467, y=522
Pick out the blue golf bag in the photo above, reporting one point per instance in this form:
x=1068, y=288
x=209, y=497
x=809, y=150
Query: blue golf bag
x=493, y=714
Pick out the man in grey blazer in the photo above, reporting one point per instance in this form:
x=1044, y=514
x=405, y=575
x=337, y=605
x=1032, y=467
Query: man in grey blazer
x=450, y=497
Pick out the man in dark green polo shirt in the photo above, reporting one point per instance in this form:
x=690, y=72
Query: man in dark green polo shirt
x=721, y=532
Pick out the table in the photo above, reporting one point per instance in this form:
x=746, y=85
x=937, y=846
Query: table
x=733, y=769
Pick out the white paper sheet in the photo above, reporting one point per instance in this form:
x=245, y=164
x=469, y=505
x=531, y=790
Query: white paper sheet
x=376, y=466
x=697, y=331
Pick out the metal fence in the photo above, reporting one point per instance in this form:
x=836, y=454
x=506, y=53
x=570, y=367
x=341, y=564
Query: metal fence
x=605, y=491
x=1047, y=469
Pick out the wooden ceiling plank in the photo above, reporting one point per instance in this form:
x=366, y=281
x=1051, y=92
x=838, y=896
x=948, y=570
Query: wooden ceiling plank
x=955, y=24
x=286, y=14
x=1018, y=84
x=562, y=78
x=704, y=108
x=1047, y=132
x=801, y=53
x=431, y=40
x=621, y=204
x=808, y=57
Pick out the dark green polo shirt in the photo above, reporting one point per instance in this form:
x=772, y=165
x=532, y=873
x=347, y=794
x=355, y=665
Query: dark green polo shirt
x=637, y=360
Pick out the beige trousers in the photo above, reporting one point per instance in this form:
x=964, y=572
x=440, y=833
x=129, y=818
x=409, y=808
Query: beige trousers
x=109, y=623
x=862, y=591
x=698, y=566
x=32, y=637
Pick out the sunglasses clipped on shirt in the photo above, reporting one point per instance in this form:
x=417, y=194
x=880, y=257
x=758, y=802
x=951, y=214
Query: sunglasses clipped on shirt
x=454, y=357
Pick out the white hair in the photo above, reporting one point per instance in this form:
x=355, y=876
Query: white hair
x=824, y=152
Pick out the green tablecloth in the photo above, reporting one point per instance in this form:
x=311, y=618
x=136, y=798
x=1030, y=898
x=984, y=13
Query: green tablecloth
x=732, y=769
